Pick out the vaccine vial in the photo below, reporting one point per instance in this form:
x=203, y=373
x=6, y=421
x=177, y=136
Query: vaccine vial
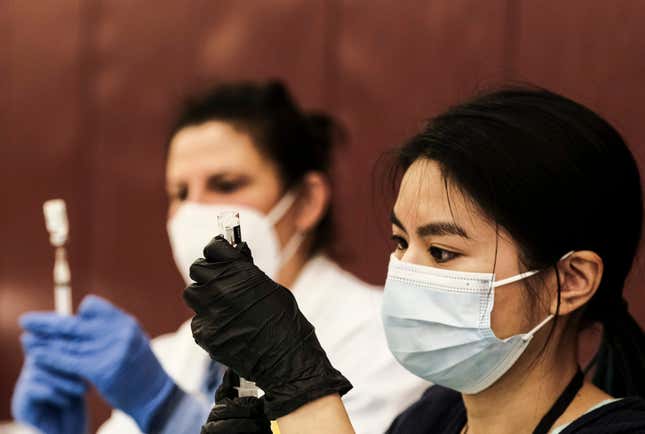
x=229, y=225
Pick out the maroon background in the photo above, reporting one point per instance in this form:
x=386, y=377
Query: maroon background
x=88, y=89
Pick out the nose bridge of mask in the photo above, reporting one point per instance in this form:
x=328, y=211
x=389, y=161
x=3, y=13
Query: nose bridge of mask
x=464, y=280
x=455, y=298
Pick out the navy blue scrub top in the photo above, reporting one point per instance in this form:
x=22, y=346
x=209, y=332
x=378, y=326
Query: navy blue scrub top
x=441, y=411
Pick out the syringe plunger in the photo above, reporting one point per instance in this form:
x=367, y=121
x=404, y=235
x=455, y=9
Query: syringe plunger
x=58, y=227
x=229, y=225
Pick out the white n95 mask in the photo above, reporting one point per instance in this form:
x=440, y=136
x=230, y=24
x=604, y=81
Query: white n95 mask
x=195, y=224
x=437, y=324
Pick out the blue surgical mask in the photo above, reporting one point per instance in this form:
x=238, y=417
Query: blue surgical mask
x=437, y=324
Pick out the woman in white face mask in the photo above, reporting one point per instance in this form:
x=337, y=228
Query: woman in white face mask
x=249, y=147
x=517, y=220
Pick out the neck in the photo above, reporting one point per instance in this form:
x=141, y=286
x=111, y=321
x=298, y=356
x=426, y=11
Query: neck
x=517, y=402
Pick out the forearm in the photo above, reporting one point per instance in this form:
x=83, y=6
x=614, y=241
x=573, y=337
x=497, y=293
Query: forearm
x=325, y=414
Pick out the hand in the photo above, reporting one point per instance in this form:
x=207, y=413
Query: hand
x=233, y=415
x=51, y=402
x=253, y=325
x=106, y=347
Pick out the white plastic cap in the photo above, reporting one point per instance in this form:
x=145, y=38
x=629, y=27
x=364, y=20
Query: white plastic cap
x=56, y=221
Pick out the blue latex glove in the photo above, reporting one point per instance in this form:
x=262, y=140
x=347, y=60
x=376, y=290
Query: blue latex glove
x=51, y=402
x=105, y=346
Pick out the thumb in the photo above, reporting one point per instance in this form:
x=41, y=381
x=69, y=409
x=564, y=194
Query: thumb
x=94, y=306
x=220, y=251
x=244, y=249
x=227, y=388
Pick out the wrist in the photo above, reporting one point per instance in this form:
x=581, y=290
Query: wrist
x=150, y=408
x=285, y=398
x=141, y=387
x=325, y=414
x=181, y=413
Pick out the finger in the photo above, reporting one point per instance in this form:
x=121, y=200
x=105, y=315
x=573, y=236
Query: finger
x=244, y=249
x=237, y=426
x=196, y=297
x=95, y=306
x=202, y=271
x=220, y=251
x=228, y=387
x=197, y=326
x=63, y=383
x=42, y=393
x=69, y=360
x=50, y=343
x=57, y=361
x=49, y=323
x=77, y=346
x=237, y=408
x=204, y=329
x=30, y=341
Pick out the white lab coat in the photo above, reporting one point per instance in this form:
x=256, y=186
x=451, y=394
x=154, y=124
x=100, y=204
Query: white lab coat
x=346, y=314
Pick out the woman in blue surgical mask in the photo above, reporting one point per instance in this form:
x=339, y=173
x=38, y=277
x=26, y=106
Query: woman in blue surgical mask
x=246, y=147
x=517, y=220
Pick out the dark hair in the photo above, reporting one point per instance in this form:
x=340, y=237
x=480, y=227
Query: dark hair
x=557, y=177
x=297, y=142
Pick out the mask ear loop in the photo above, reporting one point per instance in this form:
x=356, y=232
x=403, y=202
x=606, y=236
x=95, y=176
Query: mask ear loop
x=275, y=215
x=281, y=208
x=526, y=274
x=516, y=278
x=291, y=247
x=531, y=333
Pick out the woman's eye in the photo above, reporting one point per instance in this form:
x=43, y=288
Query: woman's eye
x=441, y=255
x=180, y=194
x=401, y=243
x=224, y=186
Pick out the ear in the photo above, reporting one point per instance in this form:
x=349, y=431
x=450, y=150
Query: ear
x=313, y=201
x=580, y=275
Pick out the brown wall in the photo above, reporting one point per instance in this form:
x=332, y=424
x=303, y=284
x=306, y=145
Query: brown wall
x=88, y=88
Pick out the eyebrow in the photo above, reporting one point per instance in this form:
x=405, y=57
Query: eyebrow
x=435, y=229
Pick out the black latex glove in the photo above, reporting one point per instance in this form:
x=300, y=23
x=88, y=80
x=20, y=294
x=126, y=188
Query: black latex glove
x=233, y=415
x=253, y=325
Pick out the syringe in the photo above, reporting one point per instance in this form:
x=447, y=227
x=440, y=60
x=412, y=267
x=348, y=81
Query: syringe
x=229, y=225
x=58, y=228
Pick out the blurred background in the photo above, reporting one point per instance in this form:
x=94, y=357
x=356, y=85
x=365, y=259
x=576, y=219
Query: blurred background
x=89, y=89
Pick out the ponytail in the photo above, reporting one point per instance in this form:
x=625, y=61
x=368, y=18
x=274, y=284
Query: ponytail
x=620, y=362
